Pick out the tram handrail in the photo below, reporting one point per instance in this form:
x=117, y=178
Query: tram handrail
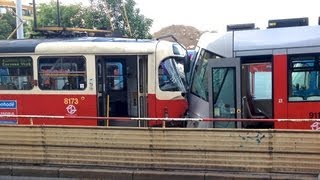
x=159, y=118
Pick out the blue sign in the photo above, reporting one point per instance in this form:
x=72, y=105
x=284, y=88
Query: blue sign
x=8, y=122
x=8, y=104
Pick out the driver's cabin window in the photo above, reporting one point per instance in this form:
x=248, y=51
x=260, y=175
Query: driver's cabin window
x=169, y=76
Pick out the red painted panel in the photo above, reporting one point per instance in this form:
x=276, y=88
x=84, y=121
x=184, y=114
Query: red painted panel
x=55, y=105
x=284, y=109
x=280, y=80
x=174, y=108
x=80, y=105
x=301, y=110
x=152, y=105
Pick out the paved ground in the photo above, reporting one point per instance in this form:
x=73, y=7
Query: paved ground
x=32, y=178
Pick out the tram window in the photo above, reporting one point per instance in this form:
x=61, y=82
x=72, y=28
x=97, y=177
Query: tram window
x=62, y=73
x=16, y=73
x=304, y=76
x=260, y=80
x=200, y=79
x=115, y=76
x=170, y=78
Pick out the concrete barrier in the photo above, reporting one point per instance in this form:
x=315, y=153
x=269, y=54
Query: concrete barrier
x=238, y=150
x=72, y=173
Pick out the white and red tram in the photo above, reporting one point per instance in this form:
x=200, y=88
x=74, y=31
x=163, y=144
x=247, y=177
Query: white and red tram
x=91, y=76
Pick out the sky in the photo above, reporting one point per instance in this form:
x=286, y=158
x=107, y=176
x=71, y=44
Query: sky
x=215, y=15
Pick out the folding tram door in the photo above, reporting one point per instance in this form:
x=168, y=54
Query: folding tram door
x=224, y=91
x=118, y=85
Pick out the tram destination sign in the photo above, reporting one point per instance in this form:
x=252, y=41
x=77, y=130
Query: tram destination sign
x=15, y=62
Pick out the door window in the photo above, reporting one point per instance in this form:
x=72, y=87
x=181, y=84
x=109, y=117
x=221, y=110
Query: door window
x=224, y=92
x=115, y=76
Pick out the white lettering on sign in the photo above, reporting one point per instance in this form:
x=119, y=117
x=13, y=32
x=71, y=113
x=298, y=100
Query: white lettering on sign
x=7, y=113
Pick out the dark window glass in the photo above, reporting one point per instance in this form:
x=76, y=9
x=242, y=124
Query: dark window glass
x=170, y=78
x=304, y=76
x=62, y=73
x=200, y=80
x=224, y=92
x=16, y=73
x=115, y=76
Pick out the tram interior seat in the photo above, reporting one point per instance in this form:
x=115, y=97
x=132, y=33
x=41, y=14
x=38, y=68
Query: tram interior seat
x=26, y=85
x=295, y=98
x=3, y=87
x=313, y=98
x=67, y=86
x=251, y=111
x=255, y=113
x=11, y=86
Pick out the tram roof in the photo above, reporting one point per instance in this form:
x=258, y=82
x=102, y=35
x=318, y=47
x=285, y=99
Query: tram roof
x=267, y=39
x=30, y=45
x=277, y=38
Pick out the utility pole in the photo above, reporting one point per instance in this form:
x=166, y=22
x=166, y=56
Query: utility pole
x=58, y=13
x=35, y=26
x=19, y=20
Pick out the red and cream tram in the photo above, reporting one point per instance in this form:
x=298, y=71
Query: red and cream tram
x=91, y=76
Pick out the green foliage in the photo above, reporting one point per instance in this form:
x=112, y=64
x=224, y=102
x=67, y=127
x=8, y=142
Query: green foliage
x=95, y=16
x=138, y=23
x=7, y=25
x=102, y=14
x=70, y=16
x=27, y=29
x=5, y=29
x=74, y=15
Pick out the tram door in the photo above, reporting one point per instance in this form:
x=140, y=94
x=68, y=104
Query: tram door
x=224, y=91
x=142, y=88
x=117, y=86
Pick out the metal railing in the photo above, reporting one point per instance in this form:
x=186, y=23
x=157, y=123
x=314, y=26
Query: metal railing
x=32, y=118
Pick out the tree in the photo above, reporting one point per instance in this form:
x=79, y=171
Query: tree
x=7, y=25
x=74, y=15
x=70, y=16
x=117, y=15
x=140, y=25
x=127, y=19
x=96, y=16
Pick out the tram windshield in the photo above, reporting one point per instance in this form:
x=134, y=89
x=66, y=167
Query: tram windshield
x=171, y=75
